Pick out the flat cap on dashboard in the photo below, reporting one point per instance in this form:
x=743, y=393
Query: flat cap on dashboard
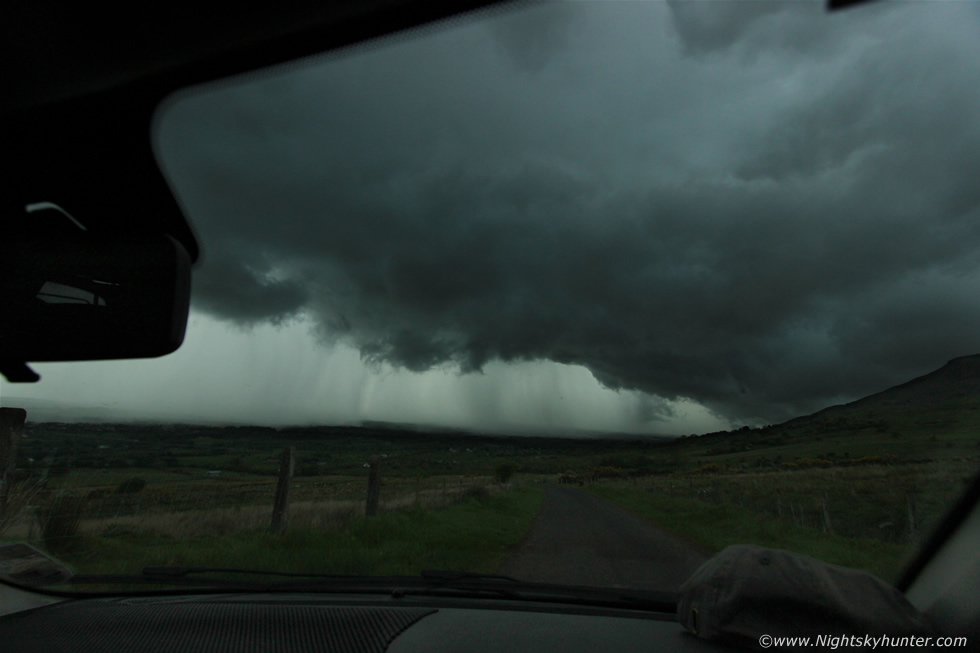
x=746, y=592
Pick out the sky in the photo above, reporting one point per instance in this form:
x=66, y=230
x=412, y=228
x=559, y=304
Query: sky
x=660, y=217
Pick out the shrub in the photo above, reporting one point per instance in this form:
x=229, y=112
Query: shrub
x=131, y=485
x=503, y=472
x=59, y=520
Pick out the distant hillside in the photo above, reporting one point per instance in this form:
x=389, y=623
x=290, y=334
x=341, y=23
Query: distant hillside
x=52, y=410
x=955, y=383
x=47, y=410
x=944, y=403
x=41, y=411
x=933, y=417
x=956, y=380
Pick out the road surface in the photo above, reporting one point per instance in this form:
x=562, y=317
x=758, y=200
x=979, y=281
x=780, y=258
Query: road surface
x=579, y=539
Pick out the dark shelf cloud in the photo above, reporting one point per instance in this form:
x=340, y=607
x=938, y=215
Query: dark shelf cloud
x=752, y=206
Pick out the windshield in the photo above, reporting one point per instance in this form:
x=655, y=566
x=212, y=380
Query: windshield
x=578, y=293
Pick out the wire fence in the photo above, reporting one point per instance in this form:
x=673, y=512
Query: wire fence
x=93, y=503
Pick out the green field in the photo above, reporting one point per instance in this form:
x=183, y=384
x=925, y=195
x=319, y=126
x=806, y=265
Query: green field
x=860, y=485
x=715, y=526
x=474, y=533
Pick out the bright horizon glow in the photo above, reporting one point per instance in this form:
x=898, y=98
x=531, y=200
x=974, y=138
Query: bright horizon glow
x=281, y=376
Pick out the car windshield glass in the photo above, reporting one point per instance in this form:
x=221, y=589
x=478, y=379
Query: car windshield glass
x=577, y=293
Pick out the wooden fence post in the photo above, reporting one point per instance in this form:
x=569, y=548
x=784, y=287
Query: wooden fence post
x=280, y=516
x=11, y=427
x=374, y=486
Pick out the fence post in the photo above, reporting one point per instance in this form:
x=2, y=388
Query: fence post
x=374, y=486
x=280, y=517
x=11, y=426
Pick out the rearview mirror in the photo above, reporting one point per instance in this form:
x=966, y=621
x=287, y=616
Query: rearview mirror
x=91, y=297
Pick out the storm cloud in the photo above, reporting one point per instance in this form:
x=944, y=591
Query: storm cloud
x=749, y=205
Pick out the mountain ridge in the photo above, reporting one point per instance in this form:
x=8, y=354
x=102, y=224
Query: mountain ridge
x=958, y=379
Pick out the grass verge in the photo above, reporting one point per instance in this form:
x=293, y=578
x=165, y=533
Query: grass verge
x=475, y=534
x=717, y=526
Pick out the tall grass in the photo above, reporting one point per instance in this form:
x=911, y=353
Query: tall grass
x=716, y=525
x=895, y=503
x=315, y=515
x=473, y=534
x=209, y=508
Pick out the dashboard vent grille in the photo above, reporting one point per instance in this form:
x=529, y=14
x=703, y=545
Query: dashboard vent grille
x=205, y=627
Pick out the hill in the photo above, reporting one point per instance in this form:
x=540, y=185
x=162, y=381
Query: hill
x=956, y=381
x=932, y=417
x=948, y=395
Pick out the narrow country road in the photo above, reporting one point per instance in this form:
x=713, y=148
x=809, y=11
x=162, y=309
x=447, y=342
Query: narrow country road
x=579, y=539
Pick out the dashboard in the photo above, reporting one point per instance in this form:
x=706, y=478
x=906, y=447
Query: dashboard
x=303, y=623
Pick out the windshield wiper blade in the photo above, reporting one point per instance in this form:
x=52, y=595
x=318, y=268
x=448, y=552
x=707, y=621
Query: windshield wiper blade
x=167, y=573
x=427, y=583
x=456, y=583
x=139, y=579
x=199, y=577
x=447, y=576
x=461, y=582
